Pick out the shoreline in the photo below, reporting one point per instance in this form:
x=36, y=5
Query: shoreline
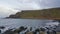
x=34, y=18
x=29, y=18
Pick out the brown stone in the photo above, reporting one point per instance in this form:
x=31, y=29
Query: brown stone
x=29, y=33
x=41, y=32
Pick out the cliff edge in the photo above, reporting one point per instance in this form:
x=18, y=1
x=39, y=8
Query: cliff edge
x=52, y=13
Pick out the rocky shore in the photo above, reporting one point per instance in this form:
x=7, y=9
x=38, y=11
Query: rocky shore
x=30, y=30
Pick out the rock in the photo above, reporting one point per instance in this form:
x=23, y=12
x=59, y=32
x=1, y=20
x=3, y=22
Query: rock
x=41, y=32
x=8, y=32
x=29, y=33
x=2, y=27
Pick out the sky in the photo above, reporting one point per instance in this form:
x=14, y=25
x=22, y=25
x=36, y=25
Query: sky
x=8, y=7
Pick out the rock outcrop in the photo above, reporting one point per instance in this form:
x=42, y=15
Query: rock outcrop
x=52, y=13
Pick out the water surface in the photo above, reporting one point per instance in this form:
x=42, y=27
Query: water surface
x=16, y=23
x=26, y=22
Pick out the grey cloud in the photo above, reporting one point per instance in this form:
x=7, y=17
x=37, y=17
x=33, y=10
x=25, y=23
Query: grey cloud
x=49, y=3
x=26, y=5
x=42, y=3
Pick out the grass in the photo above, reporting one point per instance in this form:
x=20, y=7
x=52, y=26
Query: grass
x=53, y=13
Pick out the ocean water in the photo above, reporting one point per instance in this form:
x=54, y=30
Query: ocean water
x=26, y=22
x=15, y=23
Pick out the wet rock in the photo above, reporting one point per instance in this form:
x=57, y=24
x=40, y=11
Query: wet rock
x=42, y=29
x=34, y=32
x=20, y=29
x=2, y=27
x=37, y=30
x=8, y=32
x=0, y=31
x=54, y=21
x=57, y=20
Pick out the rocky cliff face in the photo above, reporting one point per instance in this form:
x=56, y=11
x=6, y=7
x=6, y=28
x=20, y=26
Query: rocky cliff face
x=53, y=13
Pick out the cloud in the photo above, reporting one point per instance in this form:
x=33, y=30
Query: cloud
x=8, y=7
x=30, y=4
x=4, y=11
x=21, y=4
x=49, y=3
x=39, y=3
x=26, y=5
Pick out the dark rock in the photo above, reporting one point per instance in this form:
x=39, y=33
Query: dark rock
x=42, y=29
x=57, y=20
x=8, y=32
x=54, y=21
x=2, y=27
x=37, y=30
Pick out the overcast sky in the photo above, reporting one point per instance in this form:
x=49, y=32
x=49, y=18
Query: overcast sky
x=8, y=7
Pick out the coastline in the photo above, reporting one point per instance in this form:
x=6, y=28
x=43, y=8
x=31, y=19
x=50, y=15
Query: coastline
x=34, y=18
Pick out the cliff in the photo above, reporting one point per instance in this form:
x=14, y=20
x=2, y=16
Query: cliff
x=52, y=13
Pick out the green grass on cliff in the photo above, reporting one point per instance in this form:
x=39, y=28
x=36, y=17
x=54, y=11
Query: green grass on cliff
x=45, y=13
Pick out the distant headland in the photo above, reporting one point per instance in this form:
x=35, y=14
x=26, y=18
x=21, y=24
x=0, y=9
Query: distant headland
x=52, y=13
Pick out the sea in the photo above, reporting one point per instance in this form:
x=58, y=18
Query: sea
x=16, y=23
